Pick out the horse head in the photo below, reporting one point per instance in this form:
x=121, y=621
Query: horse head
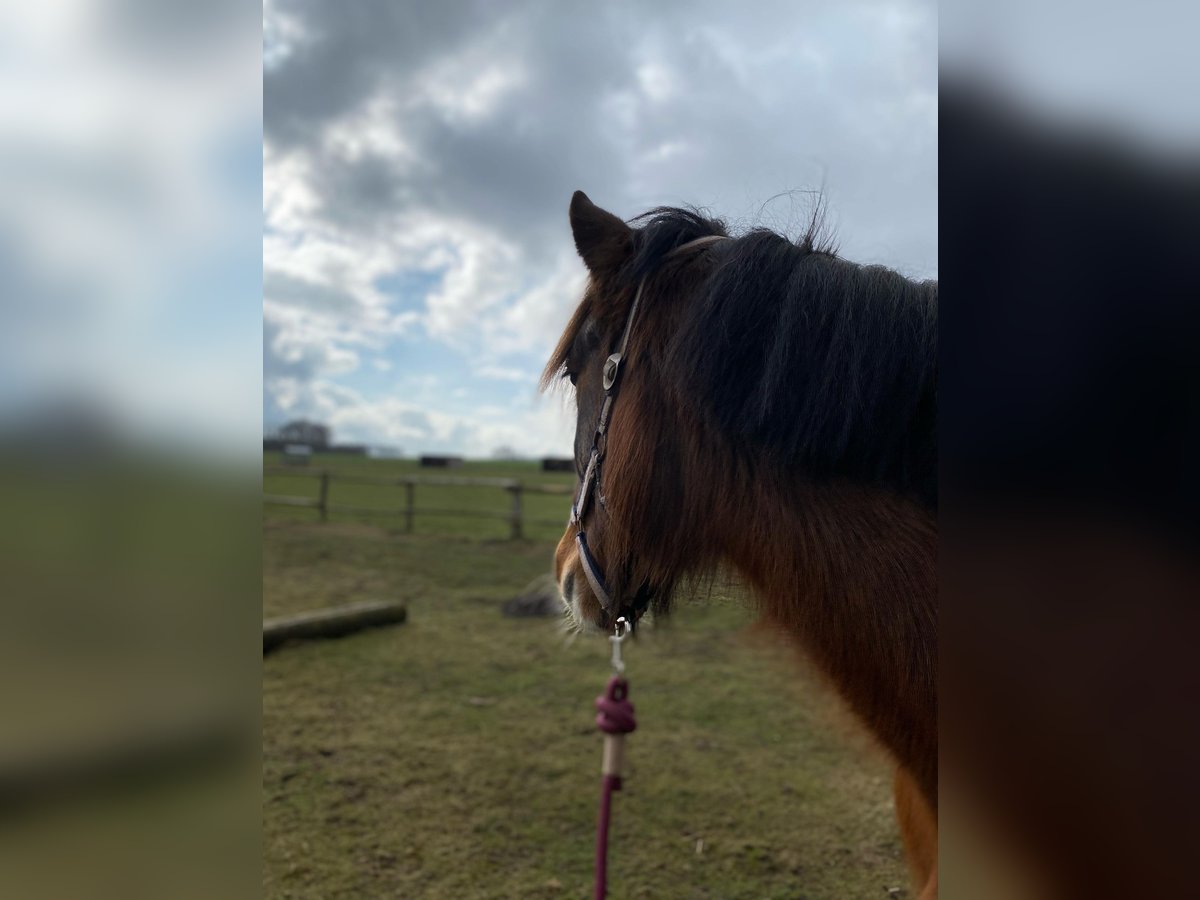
x=614, y=558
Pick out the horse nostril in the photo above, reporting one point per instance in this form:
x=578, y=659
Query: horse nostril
x=568, y=584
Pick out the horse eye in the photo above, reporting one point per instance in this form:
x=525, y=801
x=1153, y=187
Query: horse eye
x=574, y=378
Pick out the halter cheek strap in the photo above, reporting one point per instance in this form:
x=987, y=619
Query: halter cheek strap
x=591, y=475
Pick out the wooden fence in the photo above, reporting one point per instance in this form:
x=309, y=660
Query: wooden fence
x=515, y=515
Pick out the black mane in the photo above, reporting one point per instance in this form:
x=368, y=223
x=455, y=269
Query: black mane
x=828, y=366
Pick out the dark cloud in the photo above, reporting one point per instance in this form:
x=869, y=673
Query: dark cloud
x=747, y=104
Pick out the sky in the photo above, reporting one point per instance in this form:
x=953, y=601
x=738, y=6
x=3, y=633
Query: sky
x=130, y=220
x=418, y=160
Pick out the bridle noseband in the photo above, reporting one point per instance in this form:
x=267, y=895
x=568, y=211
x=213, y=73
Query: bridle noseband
x=590, y=482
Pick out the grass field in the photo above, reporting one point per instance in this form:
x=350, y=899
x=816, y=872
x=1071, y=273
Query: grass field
x=456, y=755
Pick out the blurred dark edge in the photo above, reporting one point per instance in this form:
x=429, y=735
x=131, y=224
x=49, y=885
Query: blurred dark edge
x=1069, y=687
x=124, y=763
x=130, y=679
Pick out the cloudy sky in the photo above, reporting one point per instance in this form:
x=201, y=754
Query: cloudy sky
x=129, y=220
x=418, y=160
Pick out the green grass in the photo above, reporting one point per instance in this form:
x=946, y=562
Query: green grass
x=456, y=755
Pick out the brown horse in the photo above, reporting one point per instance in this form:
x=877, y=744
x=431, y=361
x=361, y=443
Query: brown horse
x=761, y=404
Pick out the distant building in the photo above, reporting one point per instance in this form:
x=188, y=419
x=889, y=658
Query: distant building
x=441, y=462
x=296, y=454
x=302, y=431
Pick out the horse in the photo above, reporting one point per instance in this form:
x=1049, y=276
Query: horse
x=761, y=405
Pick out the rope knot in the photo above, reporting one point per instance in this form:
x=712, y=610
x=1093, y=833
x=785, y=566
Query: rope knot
x=614, y=710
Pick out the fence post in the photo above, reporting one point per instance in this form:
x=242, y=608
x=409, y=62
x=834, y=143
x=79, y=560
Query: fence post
x=323, y=503
x=410, y=490
x=516, y=511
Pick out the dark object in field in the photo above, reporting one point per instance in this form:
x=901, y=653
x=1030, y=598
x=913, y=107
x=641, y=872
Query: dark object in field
x=328, y=623
x=540, y=598
x=441, y=462
x=558, y=464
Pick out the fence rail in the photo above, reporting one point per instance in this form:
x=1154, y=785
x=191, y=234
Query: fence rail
x=515, y=515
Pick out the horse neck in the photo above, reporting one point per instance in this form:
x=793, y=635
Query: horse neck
x=850, y=573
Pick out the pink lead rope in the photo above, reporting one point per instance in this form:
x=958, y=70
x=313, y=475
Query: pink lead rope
x=614, y=716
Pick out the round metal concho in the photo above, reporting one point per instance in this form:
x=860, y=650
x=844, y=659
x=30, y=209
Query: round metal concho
x=612, y=370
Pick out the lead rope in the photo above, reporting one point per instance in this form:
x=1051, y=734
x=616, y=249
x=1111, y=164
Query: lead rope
x=614, y=716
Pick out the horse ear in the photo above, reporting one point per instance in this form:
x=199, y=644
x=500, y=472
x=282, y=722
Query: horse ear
x=601, y=238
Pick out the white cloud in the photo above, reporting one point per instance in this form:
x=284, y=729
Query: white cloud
x=481, y=278
x=656, y=81
x=538, y=428
x=506, y=373
x=469, y=93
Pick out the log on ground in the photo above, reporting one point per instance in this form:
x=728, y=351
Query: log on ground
x=329, y=623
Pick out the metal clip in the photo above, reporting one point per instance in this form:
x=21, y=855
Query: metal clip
x=620, y=632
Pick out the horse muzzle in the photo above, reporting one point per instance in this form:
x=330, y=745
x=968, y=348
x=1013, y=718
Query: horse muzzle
x=586, y=593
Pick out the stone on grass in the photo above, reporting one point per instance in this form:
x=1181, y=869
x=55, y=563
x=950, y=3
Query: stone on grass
x=540, y=598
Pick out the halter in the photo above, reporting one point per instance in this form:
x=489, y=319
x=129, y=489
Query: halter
x=591, y=474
